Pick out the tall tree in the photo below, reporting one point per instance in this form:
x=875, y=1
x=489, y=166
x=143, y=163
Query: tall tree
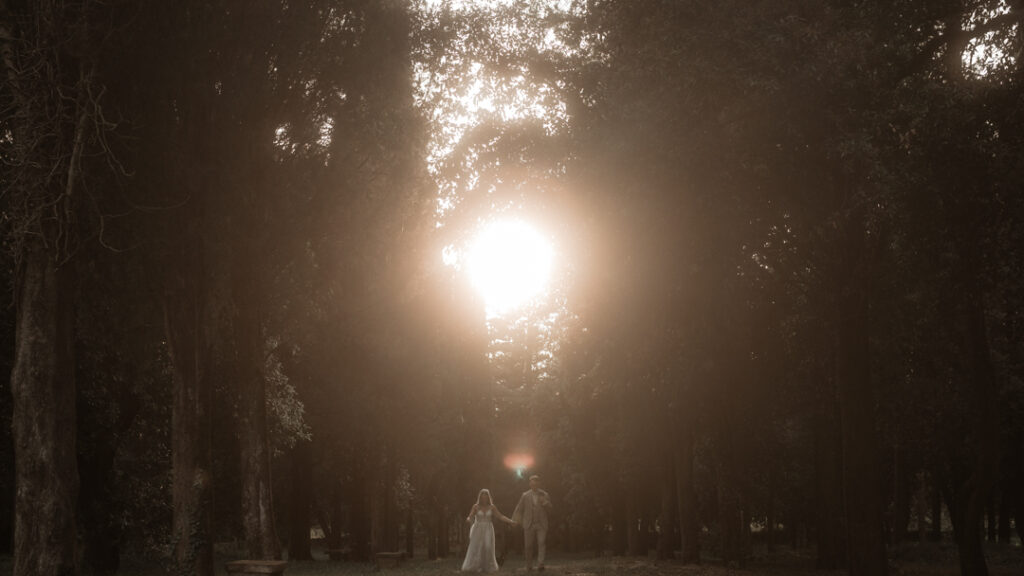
x=50, y=54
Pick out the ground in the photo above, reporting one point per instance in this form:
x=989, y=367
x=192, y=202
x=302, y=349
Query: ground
x=911, y=560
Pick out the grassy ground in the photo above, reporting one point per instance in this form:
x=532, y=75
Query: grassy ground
x=911, y=560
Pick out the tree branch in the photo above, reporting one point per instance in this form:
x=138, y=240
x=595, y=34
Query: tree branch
x=927, y=53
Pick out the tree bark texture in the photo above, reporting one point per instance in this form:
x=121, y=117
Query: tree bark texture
x=43, y=421
x=191, y=426
x=257, y=495
x=42, y=377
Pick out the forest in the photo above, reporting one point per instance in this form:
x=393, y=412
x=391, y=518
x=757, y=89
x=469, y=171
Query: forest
x=740, y=280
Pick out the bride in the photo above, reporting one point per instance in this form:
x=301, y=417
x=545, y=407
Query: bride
x=480, y=552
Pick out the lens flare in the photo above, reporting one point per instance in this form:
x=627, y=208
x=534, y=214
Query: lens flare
x=520, y=462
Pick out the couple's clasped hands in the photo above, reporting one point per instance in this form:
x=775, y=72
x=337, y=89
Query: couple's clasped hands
x=502, y=517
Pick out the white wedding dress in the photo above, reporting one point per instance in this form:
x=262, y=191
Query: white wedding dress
x=480, y=552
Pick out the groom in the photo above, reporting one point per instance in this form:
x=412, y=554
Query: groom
x=532, y=513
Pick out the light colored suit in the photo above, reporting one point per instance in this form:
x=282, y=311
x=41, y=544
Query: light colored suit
x=532, y=513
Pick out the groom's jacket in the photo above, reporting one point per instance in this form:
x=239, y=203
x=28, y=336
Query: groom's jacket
x=530, y=514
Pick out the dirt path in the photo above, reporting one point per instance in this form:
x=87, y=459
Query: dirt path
x=939, y=561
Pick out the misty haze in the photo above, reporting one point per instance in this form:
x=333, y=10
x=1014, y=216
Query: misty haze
x=582, y=287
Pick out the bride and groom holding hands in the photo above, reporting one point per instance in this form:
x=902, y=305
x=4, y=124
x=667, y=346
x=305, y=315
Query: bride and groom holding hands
x=531, y=513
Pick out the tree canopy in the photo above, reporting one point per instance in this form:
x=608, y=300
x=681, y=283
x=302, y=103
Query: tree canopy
x=785, y=302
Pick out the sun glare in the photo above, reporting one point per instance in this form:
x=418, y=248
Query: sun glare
x=509, y=262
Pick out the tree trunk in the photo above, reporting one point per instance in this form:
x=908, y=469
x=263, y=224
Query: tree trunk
x=257, y=498
x=1013, y=483
x=43, y=419
x=7, y=499
x=257, y=495
x=862, y=479
x=101, y=553
x=620, y=526
x=1018, y=521
x=936, y=531
x=190, y=423
x=791, y=533
x=99, y=512
x=969, y=534
x=990, y=520
x=770, y=516
x=390, y=532
x=730, y=520
x=1003, y=529
x=432, y=531
x=443, y=532
x=667, y=521
x=922, y=508
x=689, y=529
x=333, y=527
x=902, y=492
x=954, y=505
x=360, y=526
x=298, y=509
x=410, y=532
x=970, y=496
x=829, y=487
x=973, y=494
x=634, y=538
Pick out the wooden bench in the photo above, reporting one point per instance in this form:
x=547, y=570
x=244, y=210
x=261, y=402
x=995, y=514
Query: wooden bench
x=256, y=567
x=389, y=559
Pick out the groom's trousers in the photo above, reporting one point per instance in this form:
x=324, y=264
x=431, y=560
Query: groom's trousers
x=530, y=533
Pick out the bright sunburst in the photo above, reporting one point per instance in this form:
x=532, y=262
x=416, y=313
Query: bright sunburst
x=509, y=262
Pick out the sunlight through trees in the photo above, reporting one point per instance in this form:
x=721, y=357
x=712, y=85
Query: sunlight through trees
x=295, y=280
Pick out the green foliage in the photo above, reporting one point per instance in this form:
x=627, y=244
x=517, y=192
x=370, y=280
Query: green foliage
x=284, y=409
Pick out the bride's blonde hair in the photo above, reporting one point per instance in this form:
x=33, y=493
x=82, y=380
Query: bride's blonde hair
x=490, y=501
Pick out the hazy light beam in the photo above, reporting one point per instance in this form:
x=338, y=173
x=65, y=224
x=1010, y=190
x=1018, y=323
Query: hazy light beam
x=509, y=263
